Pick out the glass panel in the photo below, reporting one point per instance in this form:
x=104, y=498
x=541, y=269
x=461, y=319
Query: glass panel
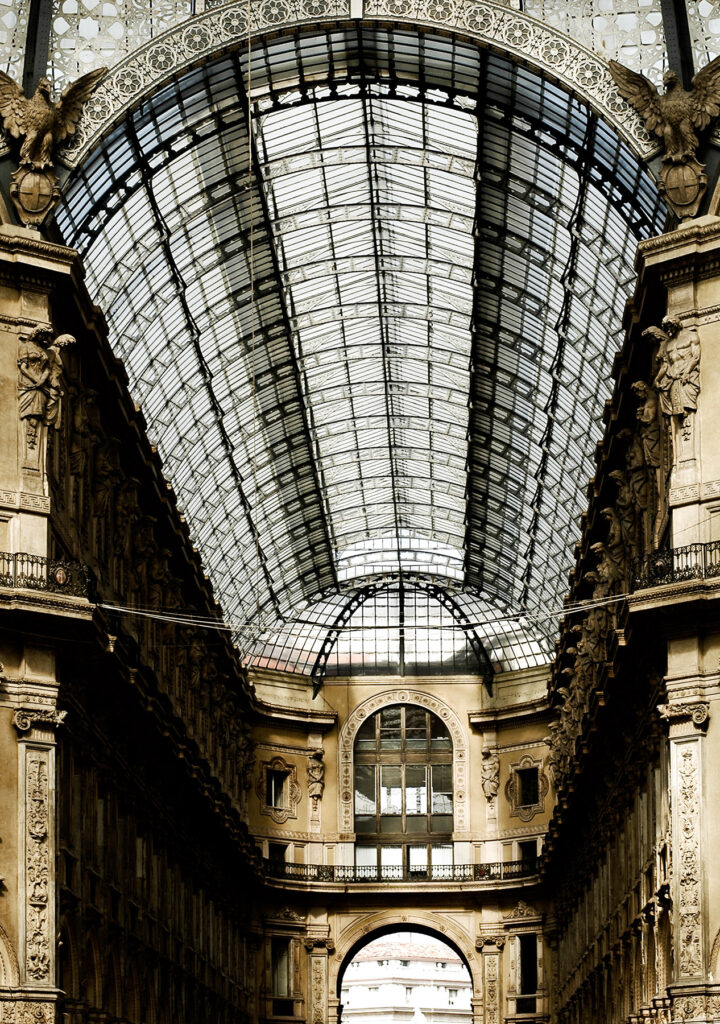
x=391, y=789
x=391, y=860
x=365, y=789
x=528, y=786
x=416, y=823
x=442, y=789
x=415, y=728
x=439, y=736
x=390, y=728
x=366, y=858
x=416, y=789
x=442, y=859
x=418, y=859
x=281, y=967
x=365, y=739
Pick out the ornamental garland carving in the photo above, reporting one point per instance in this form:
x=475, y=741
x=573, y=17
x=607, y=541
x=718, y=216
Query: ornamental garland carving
x=688, y=868
x=37, y=867
x=579, y=70
x=492, y=987
x=318, y=988
x=369, y=707
x=16, y=1012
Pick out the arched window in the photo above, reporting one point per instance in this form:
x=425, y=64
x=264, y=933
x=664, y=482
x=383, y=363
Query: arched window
x=403, y=794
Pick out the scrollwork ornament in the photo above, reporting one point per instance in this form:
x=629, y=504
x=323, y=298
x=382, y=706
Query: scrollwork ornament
x=698, y=712
x=25, y=718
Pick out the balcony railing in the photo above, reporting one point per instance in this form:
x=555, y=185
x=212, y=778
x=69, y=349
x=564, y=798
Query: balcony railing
x=34, y=572
x=506, y=871
x=692, y=562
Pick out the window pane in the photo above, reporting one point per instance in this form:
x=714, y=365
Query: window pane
x=365, y=739
x=418, y=859
x=391, y=789
x=442, y=789
x=365, y=789
x=416, y=789
x=415, y=728
x=281, y=967
x=439, y=736
x=391, y=861
x=390, y=728
x=528, y=786
x=442, y=859
x=366, y=861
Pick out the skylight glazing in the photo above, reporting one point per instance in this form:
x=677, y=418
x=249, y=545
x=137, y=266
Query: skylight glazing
x=438, y=245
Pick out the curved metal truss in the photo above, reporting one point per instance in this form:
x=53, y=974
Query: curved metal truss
x=370, y=324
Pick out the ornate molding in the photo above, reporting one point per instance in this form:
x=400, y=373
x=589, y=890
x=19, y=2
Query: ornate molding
x=317, y=942
x=526, y=812
x=496, y=941
x=25, y=718
x=292, y=790
x=522, y=912
x=687, y=859
x=402, y=696
x=38, y=867
x=696, y=711
x=552, y=53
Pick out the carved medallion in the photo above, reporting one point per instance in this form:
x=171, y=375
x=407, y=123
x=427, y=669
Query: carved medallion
x=683, y=186
x=34, y=192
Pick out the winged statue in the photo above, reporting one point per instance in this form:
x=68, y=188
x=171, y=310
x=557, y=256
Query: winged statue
x=38, y=121
x=678, y=114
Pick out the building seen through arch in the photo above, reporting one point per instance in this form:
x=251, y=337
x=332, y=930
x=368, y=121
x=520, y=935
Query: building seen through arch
x=359, y=511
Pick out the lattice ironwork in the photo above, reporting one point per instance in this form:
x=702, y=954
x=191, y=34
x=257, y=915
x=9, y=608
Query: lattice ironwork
x=35, y=572
x=322, y=434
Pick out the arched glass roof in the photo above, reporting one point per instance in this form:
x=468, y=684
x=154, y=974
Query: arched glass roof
x=401, y=626
x=372, y=335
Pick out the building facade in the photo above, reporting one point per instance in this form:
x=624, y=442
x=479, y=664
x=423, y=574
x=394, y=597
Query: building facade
x=326, y=330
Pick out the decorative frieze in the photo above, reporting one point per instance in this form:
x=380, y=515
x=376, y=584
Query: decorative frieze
x=687, y=874
x=491, y=962
x=38, y=924
x=318, y=989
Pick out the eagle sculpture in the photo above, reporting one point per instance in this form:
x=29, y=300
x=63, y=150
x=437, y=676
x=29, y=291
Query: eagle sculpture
x=39, y=122
x=675, y=116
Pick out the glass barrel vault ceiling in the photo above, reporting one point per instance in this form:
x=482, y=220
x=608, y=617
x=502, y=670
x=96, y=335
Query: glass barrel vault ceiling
x=439, y=245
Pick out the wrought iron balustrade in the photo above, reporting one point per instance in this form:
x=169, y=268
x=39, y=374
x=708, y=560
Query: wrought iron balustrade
x=22, y=571
x=675, y=565
x=502, y=871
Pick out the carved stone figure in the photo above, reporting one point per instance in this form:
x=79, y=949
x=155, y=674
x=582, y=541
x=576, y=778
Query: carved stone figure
x=41, y=381
x=677, y=381
x=106, y=476
x=316, y=774
x=625, y=509
x=490, y=774
x=676, y=117
x=678, y=114
x=39, y=122
x=648, y=418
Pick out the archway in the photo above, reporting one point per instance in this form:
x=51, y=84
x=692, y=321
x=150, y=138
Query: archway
x=403, y=971
x=360, y=934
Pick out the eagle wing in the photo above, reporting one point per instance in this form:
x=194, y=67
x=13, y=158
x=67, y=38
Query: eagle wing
x=13, y=106
x=705, y=94
x=73, y=97
x=641, y=94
